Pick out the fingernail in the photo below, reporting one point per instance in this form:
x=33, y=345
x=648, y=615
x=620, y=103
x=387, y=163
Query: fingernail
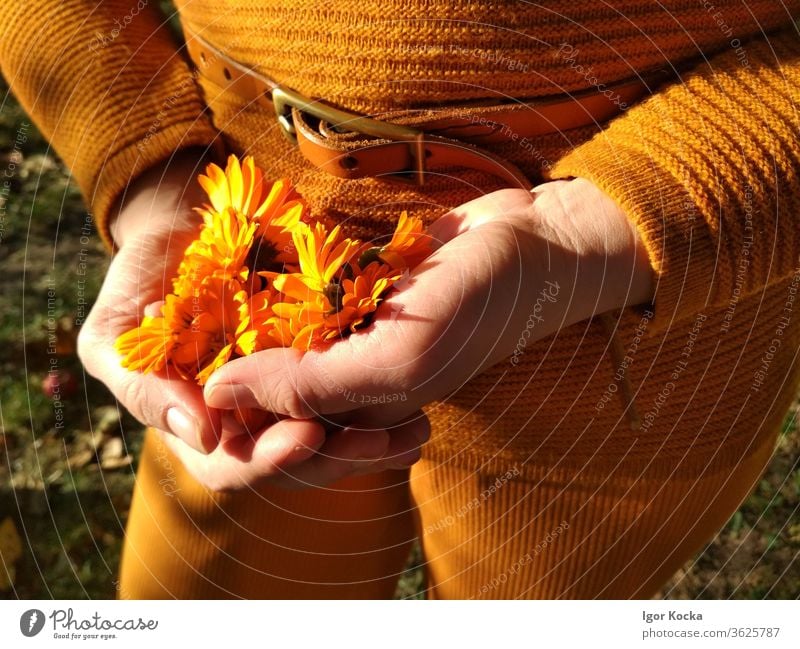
x=231, y=395
x=184, y=426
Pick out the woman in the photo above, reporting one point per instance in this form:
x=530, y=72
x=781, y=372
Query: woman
x=603, y=364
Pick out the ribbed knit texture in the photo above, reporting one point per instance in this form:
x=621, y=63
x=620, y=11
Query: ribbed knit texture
x=709, y=168
x=558, y=534
x=375, y=55
x=184, y=542
x=706, y=168
x=105, y=84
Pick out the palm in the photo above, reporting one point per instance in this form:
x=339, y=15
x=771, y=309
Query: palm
x=461, y=311
x=457, y=314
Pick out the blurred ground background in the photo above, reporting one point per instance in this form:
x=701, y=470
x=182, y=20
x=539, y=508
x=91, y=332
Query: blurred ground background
x=67, y=457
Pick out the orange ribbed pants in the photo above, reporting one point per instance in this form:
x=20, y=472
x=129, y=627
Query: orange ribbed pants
x=571, y=533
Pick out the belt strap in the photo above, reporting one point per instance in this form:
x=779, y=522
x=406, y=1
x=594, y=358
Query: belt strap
x=415, y=142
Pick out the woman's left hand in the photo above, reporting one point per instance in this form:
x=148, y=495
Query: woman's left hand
x=513, y=267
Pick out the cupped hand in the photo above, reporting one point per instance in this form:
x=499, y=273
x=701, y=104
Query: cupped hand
x=512, y=267
x=152, y=230
x=300, y=454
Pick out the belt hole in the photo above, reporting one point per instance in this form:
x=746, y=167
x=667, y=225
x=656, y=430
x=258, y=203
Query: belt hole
x=428, y=153
x=203, y=57
x=349, y=162
x=227, y=73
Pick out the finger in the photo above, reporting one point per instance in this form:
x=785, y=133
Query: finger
x=245, y=461
x=157, y=399
x=245, y=422
x=429, y=337
x=345, y=453
x=405, y=445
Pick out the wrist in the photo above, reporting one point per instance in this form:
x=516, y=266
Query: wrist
x=169, y=187
x=594, y=247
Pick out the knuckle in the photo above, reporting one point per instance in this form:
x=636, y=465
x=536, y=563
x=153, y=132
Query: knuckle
x=196, y=467
x=134, y=395
x=297, y=402
x=295, y=394
x=87, y=348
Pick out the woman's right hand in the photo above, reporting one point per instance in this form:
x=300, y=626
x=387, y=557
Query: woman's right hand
x=152, y=229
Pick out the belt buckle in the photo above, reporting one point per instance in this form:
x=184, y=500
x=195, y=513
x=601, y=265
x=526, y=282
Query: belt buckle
x=285, y=99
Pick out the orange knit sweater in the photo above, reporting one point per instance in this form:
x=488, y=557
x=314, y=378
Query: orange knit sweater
x=707, y=168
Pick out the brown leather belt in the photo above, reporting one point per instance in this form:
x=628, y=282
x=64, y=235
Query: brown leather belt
x=350, y=145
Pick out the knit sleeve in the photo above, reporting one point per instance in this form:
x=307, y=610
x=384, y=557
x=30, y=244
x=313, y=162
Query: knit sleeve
x=105, y=84
x=707, y=169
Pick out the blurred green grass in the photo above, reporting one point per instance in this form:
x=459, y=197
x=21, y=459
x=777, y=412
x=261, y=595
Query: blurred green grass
x=67, y=489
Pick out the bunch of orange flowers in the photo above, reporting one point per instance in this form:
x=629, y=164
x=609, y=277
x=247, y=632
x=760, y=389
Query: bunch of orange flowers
x=263, y=274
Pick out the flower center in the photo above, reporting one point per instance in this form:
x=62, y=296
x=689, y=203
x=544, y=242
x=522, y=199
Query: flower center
x=334, y=292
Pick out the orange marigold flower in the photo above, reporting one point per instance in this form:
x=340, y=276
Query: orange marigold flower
x=358, y=297
x=278, y=218
x=219, y=315
x=195, y=334
x=330, y=296
x=150, y=346
x=250, y=221
x=221, y=249
x=146, y=347
x=410, y=244
x=238, y=186
x=321, y=255
x=264, y=328
x=259, y=276
x=275, y=208
x=300, y=324
x=319, y=317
